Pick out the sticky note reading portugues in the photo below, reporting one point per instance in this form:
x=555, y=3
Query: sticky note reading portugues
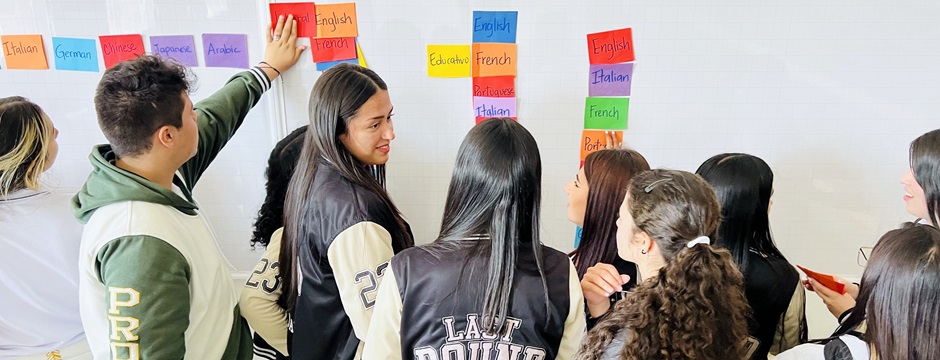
x=337, y=20
x=610, y=47
x=493, y=59
x=610, y=80
x=593, y=140
x=24, y=52
x=225, y=50
x=304, y=12
x=606, y=113
x=180, y=48
x=117, y=48
x=75, y=54
x=324, y=66
x=494, y=86
x=333, y=49
x=448, y=61
x=494, y=107
x=495, y=26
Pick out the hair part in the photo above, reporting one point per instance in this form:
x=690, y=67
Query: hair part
x=24, y=146
x=925, y=163
x=281, y=164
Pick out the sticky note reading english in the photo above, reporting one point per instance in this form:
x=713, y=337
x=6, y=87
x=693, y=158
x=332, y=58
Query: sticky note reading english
x=333, y=49
x=75, y=54
x=494, y=59
x=610, y=47
x=117, y=48
x=495, y=26
x=594, y=140
x=606, y=113
x=494, y=86
x=494, y=107
x=225, y=50
x=448, y=61
x=180, y=48
x=304, y=12
x=610, y=80
x=24, y=52
x=337, y=20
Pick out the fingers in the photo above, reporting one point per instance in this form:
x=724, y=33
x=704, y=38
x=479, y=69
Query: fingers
x=292, y=37
x=280, y=26
x=807, y=285
x=269, y=34
x=823, y=292
x=606, y=277
x=610, y=139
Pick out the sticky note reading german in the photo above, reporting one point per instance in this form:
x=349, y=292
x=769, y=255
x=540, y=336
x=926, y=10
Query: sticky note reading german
x=610, y=47
x=448, y=61
x=494, y=59
x=24, y=52
x=75, y=54
x=606, y=113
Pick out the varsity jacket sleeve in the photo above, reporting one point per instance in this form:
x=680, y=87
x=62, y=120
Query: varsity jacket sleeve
x=147, y=283
x=384, y=339
x=220, y=115
x=258, y=300
x=575, y=325
x=791, y=329
x=359, y=257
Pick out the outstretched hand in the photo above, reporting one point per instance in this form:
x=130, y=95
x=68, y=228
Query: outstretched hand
x=836, y=303
x=612, y=141
x=282, y=50
x=599, y=282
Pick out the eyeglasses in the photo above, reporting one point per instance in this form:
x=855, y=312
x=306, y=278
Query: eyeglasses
x=864, y=253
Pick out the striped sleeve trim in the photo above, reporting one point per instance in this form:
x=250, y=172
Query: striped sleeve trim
x=261, y=77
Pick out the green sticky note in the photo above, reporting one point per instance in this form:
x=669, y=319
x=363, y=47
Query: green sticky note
x=606, y=113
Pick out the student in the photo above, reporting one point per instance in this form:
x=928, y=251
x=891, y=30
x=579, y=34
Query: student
x=40, y=239
x=744, y=185
x=594, y=198
x=486, y=286
x=899, y=296
x=154, y=283
x=689, y=290
x=341, y=228
x=259, y=299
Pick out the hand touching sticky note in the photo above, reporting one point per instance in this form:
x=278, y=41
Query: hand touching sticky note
x=826, y=280
x=304, y=12
x=594, y=140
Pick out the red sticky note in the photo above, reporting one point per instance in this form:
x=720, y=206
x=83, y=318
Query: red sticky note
x=304, y=12
x=24, y=52
x=494, y=86
x=610, y=47
x=481, y=118
x=117, y=48
x=826, y=280
x=333, y=49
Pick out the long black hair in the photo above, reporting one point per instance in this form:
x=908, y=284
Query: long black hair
x=336, y=98
x=281, y=164
x=494, y=196
x=744, y=184
x=925, y=163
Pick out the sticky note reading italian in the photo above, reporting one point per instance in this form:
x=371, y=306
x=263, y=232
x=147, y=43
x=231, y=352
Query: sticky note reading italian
x=606, y=113
x=333, y=49
x=448, y=61
x=495, y=26
x=593, y=140
x=610, y=47
x=324, y=66
x=494, y=86
x=225, y=50
x=610, y=80
x=180, y=48
x=24, y=52
x=75, y=54
x=304, y=12
x=117, y=48
x=337, y=20
x=494, y=59
x=494, y=107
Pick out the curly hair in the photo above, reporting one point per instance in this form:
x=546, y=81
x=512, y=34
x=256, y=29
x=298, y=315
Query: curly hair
x=281, y=164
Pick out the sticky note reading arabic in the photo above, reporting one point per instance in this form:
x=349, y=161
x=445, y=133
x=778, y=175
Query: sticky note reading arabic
x=448, y=61
x=225, y=50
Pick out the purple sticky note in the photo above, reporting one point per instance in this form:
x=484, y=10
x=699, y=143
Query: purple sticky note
x=225, y=50
x=180, y=48
x=610, y=80
x=494, y=107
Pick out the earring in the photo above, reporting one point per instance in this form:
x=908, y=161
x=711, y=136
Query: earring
x=643, y=252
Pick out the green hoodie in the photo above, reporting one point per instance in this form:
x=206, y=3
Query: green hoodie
x=146, y=282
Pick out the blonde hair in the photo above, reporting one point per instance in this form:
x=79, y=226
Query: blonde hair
x=24, y=146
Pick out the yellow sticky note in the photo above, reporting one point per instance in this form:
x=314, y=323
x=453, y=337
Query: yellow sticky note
x=337, y=20
x=362, y=58
x=494, y=59
x=448, y=61
x=24, y=52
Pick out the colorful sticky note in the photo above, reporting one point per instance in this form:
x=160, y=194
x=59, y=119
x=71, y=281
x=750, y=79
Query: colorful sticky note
x=225, y=50
x=610, y=47
x=75, y=54
x=304, y=12
x=117, y=48
x=449, y=61
x=495, y=26
x=494, y=86
x=481, y=118
x=610, y=79
x=24, y=52
x=606, y=113
x=494, y=59
x=333, y=49
x=180, y=48
x=337, y=20
x=324, y=66
x=826, y=280
x=494, y=107
x=594, y=140
x=362, y=58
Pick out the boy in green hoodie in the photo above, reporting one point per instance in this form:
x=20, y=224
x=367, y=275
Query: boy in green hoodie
x=153, y=283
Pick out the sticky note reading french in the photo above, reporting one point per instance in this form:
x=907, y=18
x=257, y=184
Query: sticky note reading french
x=494, y=59
x=606, y=113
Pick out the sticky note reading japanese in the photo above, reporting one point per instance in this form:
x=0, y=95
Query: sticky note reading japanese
x=495, y=26
x=180, y=48
x=304, y=12
x=117, y=48
x=494, y=86
x=448, y=61
x=337, y=20
x=610, y=47
x=225, y=50
x=494, y=107
x=610, y=80
x=494, y=59
x=606, y=113
x=333, y=49
x=594, y=140
x=75, y=54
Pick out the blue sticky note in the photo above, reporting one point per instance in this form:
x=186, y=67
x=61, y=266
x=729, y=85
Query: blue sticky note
x=495, y=26
x=75, y=54
x=323, y=66
x=577, y=236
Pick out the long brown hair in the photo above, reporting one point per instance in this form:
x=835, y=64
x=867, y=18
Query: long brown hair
x=694, y=308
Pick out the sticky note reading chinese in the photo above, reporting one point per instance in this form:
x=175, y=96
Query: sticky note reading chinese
x=606, y=113
x=494, y=107
x=304, y=12
x=75, y=54
x=495, y=26
x=324, y=66
x=594, y=140
x=494, y=59
x=180, y=48
x=448, y=61
x=117, y=48
x=610, y=47
x=333, y=49
x=225, y=50
x=610, y=80
x=337, y=20
x=494, y=86
x=24, y=52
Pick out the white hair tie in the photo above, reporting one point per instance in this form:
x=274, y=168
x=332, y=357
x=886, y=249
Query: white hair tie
x=699, y=240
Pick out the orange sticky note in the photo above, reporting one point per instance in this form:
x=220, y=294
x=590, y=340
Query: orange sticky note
x=24, y=52
x=494, y=59
x=594, y=140
x=337, y=20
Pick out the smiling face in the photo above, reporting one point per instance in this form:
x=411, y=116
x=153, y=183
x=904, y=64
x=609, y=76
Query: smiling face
x=577, y=191
x=914, y=199
x=369, y=132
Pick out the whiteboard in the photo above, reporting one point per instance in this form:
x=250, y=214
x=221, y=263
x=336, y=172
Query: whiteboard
x=830, y=95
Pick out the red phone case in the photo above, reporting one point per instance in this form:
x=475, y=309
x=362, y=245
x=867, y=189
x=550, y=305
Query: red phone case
x=826, y=280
